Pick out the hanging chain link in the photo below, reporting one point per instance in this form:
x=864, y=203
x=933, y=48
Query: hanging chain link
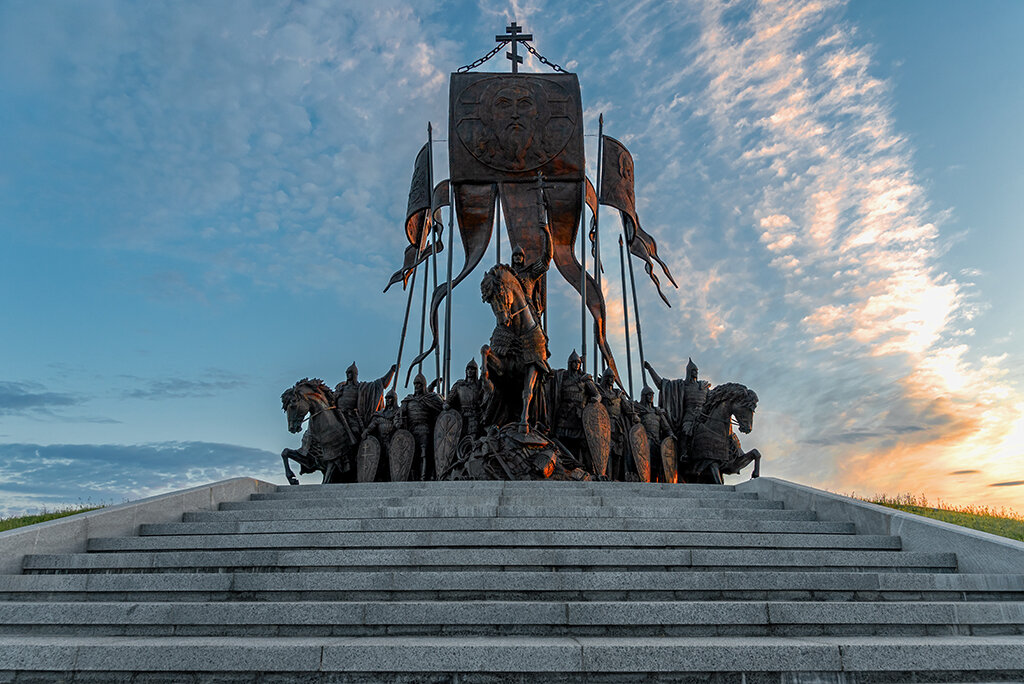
x=543, y=59
x=474, y=65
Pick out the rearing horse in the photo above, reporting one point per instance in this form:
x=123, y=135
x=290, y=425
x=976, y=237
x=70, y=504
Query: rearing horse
x=714, y=449
x=326, y=429
x=518, y=352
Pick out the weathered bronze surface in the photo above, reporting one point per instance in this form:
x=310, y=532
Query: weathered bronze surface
x=507, y=127
x=516, y=141
x=367, y=459
x=447, y=432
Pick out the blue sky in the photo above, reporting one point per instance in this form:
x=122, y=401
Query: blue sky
x=200, y=203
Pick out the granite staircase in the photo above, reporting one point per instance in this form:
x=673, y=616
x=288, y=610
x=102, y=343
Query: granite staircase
x=507, y=581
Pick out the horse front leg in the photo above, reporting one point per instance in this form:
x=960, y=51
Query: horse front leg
x=285, y=455
x=529, y=381
x=756, y=455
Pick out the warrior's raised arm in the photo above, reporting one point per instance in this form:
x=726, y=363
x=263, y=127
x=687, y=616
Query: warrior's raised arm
x=386, y=379
x=658, y=380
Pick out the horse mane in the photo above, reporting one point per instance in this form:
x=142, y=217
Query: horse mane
x=732, y=392
x=492, y=280
x=314, y=383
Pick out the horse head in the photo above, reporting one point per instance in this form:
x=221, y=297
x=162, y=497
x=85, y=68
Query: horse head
x=500, y=288
x=304, y=398
x=739, y=401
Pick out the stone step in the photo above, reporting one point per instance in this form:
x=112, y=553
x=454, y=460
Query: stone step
x=459, y=559
x=492, y=618
x=553, y=487
x=547, y=658
x=489, y=539
x=314, y=526
x=512, y=585
x=341, y=492
x=570, y=503
x=550, y=512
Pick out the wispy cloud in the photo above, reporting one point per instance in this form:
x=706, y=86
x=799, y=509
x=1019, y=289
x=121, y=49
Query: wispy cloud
x=19, y=398
x=35, y=476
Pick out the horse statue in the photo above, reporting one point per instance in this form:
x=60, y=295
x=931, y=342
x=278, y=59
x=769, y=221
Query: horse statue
x=713, y=449
x=328, y=431
x=515, y=362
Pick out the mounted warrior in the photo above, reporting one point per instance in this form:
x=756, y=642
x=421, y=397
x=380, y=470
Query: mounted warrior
x=683, y=400
x=358, y=401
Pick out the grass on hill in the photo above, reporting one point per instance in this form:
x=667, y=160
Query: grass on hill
x=1003, y=521
x=12, y=522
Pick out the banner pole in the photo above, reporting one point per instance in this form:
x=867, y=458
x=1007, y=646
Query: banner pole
x=597, y=231
x=625, y=316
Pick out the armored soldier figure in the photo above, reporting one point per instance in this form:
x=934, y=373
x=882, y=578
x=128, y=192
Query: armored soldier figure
x=570, y=391
x=418, y=413
x=655, y=422
x=467, y=396
x=358, y=401
x=384, y=422
x=622, y=416
x=683, y=400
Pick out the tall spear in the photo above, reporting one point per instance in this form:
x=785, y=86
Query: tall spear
x=583, y=280
x=405, y=326
x=597, y=232
x=625, y=316
x=636, y=313
x=433, y=257
x=448, y=299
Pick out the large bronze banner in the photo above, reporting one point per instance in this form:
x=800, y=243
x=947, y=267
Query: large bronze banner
x=507, y=127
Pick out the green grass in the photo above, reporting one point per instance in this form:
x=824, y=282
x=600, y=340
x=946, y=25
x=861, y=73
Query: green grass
x=1004, y=521
x=63, y=512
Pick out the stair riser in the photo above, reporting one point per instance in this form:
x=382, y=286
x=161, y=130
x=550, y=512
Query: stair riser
x=497, y=539
x=493, y=524
x=641, y=508
x=496, y=630
x=550, y=514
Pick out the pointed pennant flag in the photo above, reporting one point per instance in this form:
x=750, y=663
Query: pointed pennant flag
x=441, y=193
x=410, y=261
x=592, y=233
x=419, y=199
x=617, y=191
x=417, y=224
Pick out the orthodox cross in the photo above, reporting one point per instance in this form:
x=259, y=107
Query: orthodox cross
x=514, y=34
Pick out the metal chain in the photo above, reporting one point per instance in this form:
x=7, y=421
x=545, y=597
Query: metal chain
x=543, y=59
x=483, y=59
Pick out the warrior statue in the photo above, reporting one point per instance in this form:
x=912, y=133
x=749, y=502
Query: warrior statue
x=621, y=417
x=655, y=421
x=681, y=399
x=418, y=413
x=516, y=361
x=467, y=397
x=384, y=423
x=569, y=392
x=358, y=401
x=714, y=449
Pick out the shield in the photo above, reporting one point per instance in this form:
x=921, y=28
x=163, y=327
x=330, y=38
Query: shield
x=400, y=453
x=597, y=428
x=641, y=448
x=447, y=431
x=367, y=460
x=669, y=459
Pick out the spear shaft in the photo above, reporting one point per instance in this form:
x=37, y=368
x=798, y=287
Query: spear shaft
x=433, y=252
x=448, y=299
x=625, y=316
x=597, y=232
x=405, y=326
x=636, y=315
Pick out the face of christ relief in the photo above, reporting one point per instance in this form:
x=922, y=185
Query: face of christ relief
x=514, y=114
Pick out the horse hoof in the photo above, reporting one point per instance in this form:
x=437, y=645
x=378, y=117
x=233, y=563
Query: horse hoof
x=293, y=481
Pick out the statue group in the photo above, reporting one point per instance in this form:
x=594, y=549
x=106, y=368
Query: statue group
x=578, y=429
x=516, y=141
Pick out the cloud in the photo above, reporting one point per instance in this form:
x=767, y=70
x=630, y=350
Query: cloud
x=36, y=476
x=965, y=472
x=1013, y=483
x=24, y=398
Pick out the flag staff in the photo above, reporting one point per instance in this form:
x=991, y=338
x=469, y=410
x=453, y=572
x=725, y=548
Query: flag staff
x=625, y=316
x=405, y=327
x=636, y=314
x=448, y=299
x=597, y=232
x=583, y=279
x=432, y=233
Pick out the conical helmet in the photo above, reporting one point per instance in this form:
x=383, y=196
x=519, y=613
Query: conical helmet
x=420, y=379
x=647, y=392
x=691, y=369
x=519, y=252
x=352, y=368
x=574, y=358
x=471, y=366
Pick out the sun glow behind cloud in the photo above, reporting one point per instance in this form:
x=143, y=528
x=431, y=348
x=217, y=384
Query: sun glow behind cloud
x=847, y=225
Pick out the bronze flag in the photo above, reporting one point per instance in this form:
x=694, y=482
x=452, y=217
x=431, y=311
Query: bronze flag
x=617, y=191
x=504, y=129
x=416, y=254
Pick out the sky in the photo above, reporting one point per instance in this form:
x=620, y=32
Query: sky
x=200, y=204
